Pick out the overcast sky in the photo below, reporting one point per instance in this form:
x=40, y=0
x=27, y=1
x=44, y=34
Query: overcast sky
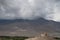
x=30, y=9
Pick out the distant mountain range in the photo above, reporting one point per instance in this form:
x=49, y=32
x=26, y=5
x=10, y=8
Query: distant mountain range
x=20, y=27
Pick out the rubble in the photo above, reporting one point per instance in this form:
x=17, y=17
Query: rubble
x=42, y=36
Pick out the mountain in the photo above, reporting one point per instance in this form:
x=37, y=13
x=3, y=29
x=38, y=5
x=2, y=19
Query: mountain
x=20, y=27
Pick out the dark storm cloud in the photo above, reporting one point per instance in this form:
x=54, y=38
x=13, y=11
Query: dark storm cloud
x=30, y=9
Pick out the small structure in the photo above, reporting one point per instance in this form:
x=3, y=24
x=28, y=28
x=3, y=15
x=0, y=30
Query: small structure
x=43, y=36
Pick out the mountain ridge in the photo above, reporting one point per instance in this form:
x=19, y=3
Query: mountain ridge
x=29, y=26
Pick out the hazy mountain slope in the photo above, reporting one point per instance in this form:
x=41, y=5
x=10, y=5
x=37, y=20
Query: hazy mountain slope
x=27, y=27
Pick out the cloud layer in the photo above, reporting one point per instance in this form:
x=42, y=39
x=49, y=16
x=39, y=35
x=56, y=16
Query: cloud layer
x=30, y=9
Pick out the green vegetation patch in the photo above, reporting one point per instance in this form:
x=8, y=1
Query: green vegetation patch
x=12, y=38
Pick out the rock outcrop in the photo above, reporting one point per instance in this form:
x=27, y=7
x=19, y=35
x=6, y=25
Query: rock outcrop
x=43, y=36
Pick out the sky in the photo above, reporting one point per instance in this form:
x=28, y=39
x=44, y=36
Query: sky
x=30, y=9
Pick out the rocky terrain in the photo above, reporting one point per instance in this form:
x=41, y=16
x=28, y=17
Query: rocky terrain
x=43, y=36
